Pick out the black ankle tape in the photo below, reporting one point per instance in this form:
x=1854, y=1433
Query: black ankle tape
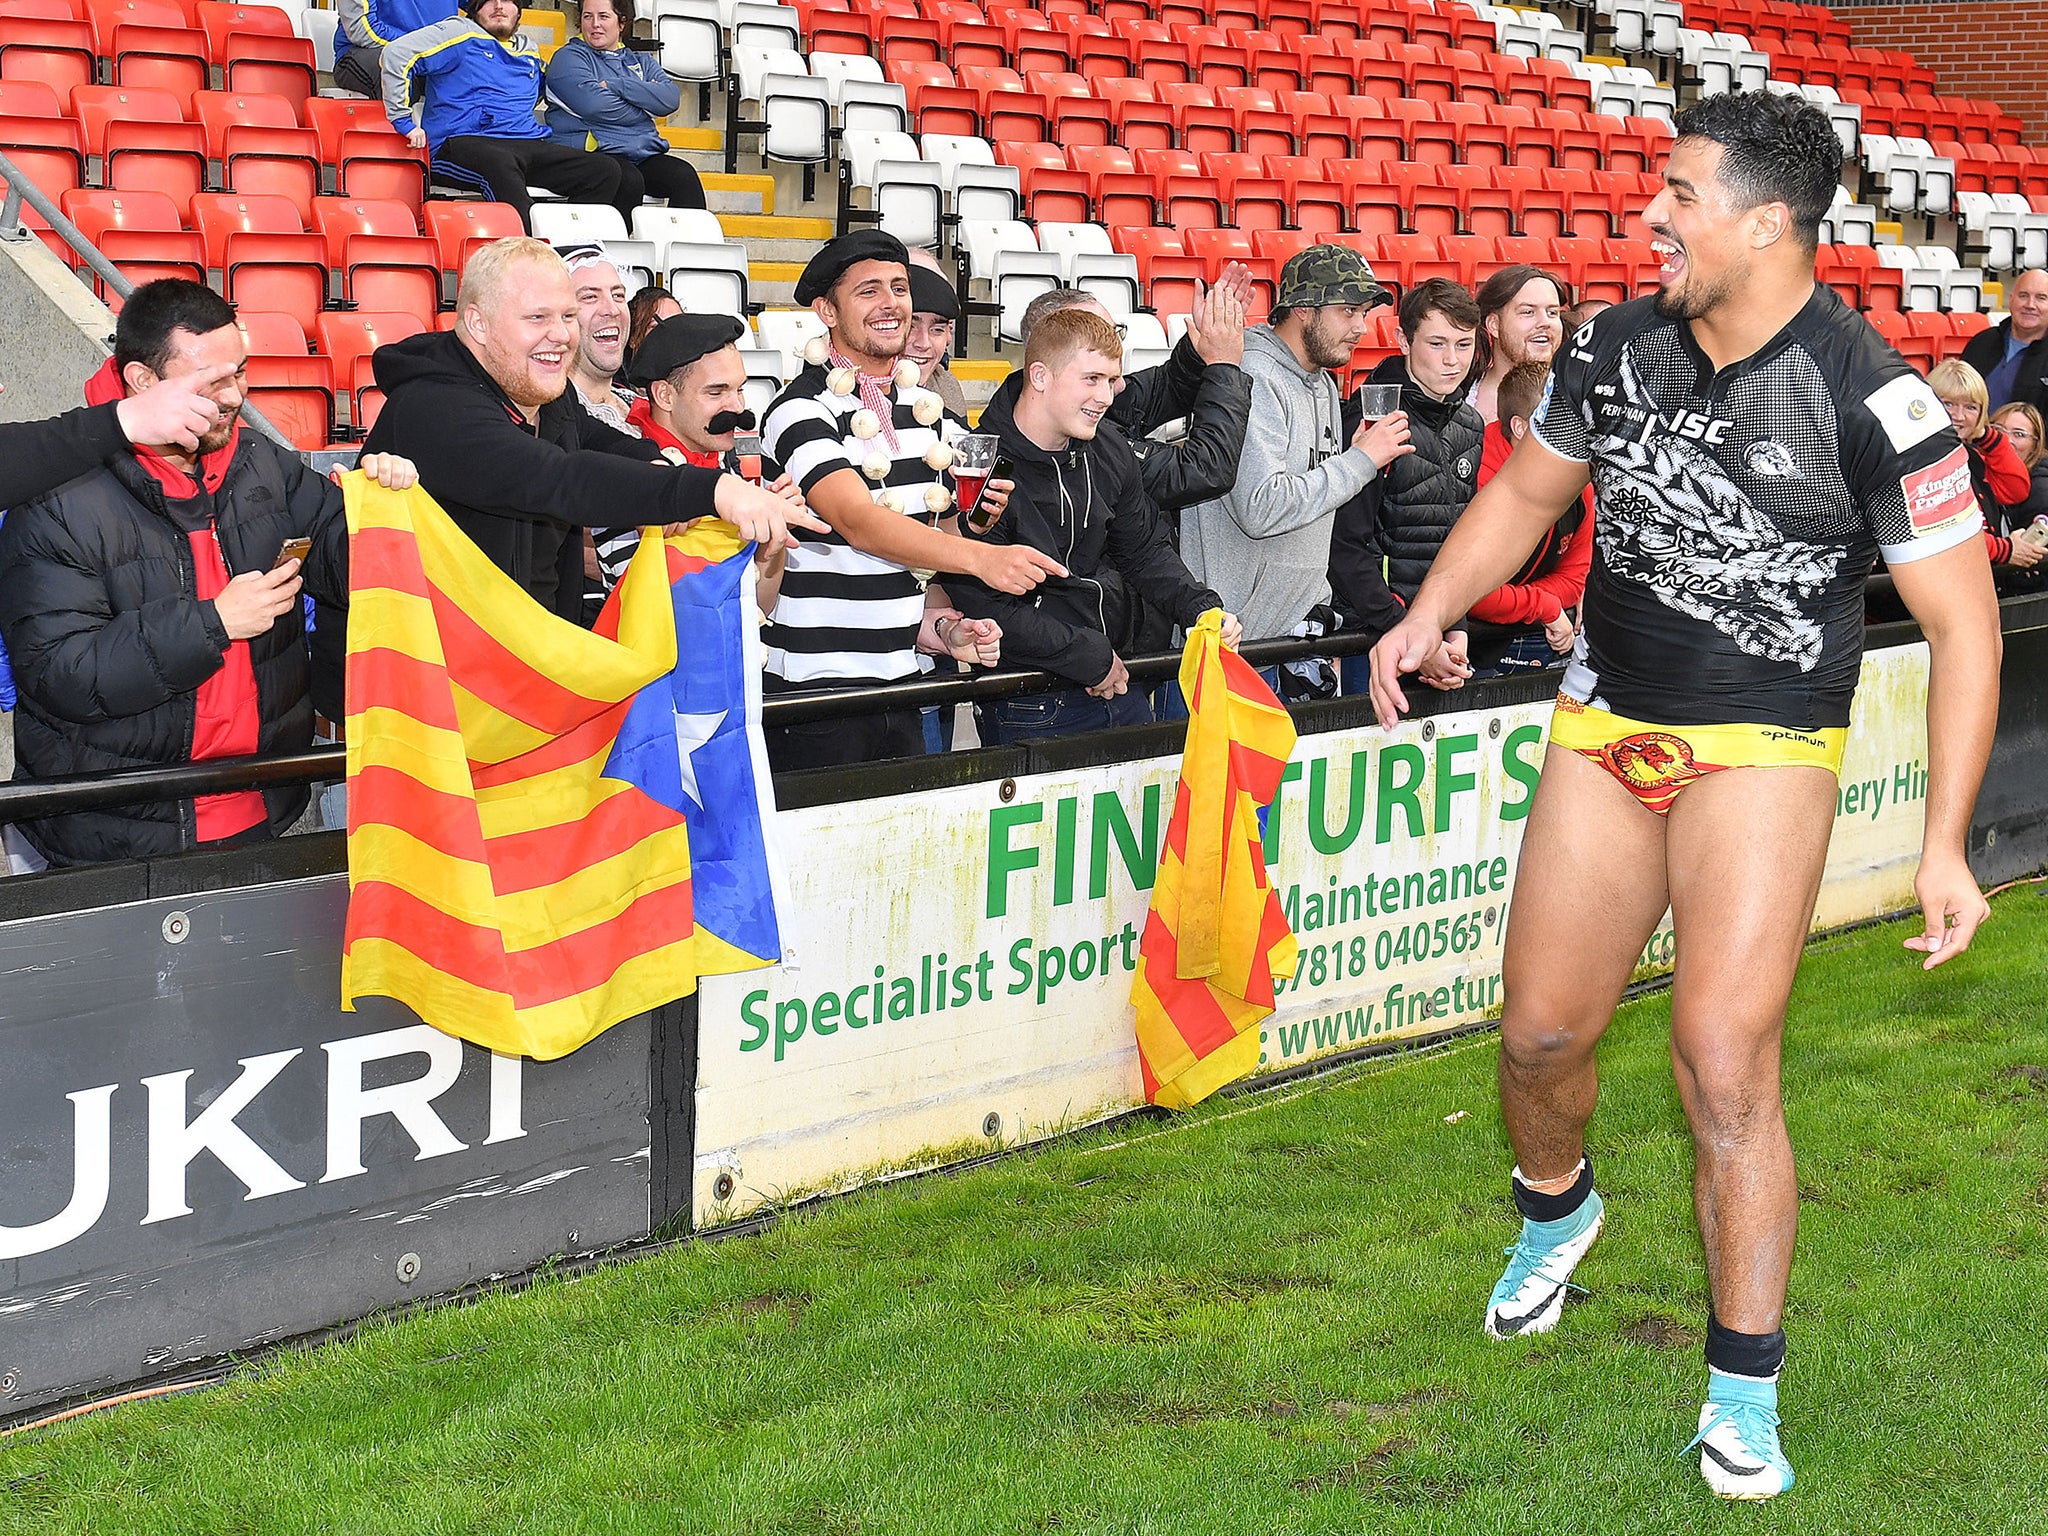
x=1744, y=1354
x=1537, y=1206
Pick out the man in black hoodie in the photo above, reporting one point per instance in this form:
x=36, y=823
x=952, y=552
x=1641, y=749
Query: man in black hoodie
x=516, y=461
x=1080, y=499
x=1385, y=538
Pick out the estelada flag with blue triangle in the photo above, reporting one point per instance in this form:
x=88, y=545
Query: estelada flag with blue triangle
x=550, y=829
x=1216, y=936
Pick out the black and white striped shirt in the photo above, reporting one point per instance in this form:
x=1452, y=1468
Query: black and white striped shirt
x=844, y=616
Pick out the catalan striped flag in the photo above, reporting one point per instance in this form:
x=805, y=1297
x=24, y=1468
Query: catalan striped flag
x=1215, y=937
x=525, y=796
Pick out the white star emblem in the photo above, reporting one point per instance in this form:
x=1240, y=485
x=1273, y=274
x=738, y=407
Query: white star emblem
x=692, y=731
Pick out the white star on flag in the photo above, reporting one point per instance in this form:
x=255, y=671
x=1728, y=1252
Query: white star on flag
x=692, y=731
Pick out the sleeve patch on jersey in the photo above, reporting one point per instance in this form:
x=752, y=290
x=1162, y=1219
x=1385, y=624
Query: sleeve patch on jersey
x=1908, y=410
x=1941, y=493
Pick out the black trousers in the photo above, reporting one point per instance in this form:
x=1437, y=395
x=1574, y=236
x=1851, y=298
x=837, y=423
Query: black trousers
x=673, y=180
x=843, y=743
x=358, y=70
x=506, y=165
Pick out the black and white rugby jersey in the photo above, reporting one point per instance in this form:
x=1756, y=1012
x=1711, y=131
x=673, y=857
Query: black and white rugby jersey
x=1739, y=513
x=843, y=616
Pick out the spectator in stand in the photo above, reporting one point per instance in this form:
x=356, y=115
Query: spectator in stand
x=866, y=445
x=1264, y=546
x=2012, y=356
x=601, y=322
x=466, y=89
x=934, y=311
x=362, y=29
x=1521, y=312
x=1998, y=473
x=2023, y=429
x=1530, y=623
x=148, y=605
x=604, y=95
x=1080, y=499
x=694, y=410
x=1202, y=382
x=1384, y=541
x=1576, y=316
x=521, y=467
x=644, y=311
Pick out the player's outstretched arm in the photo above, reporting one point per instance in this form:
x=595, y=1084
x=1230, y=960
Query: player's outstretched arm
x=1491, y=540
x=1951, y=596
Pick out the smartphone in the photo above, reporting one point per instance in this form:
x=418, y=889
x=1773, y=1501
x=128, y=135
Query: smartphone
x=982, y=517
x=292, y=549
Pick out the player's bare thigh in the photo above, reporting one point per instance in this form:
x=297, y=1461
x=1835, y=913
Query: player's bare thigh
x=1747, y=848
x=1589, y=892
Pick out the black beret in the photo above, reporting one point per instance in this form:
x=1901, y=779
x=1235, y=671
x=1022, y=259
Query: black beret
x=678, y=342
x=845, y=251
x=931, y=294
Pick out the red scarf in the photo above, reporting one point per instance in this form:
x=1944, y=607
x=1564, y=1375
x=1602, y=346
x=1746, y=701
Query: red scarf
x=225, y=722
x=642, y=417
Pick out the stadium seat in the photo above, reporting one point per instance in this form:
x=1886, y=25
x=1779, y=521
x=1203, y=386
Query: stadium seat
x=140, y=233
x=171, y=58
x=292, y=388
x=707, y=278
x=263, y=253
x=369, y=158
x=578, y=223
x=347, y=341
x=385, y=263
x=788, y=331
x=1314, y=203
x=906, y=195
x=460, y=228
x=53, y=51
x=975, y=186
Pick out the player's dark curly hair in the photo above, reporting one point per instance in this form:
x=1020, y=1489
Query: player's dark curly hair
x=1776, y=149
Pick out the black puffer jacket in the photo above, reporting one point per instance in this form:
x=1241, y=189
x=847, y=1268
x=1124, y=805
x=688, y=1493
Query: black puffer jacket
x=1422, y=494
x=1087, y=508
x=111, y=643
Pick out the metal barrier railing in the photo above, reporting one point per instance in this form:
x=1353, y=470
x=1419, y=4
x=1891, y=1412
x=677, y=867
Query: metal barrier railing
x=27, y=799
x=14, y=229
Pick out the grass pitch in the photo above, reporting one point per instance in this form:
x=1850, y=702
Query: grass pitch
x=1260, y=1318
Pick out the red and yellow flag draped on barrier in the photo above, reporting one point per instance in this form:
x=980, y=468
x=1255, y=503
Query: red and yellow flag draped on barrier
x=500, y=884
x=1215, y=937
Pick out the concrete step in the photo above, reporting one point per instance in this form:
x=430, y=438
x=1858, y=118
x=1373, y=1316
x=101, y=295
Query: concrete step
x=739, y=192
x=774, y=227
x=773, y=283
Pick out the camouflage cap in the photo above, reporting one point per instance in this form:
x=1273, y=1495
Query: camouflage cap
x=1328, y=274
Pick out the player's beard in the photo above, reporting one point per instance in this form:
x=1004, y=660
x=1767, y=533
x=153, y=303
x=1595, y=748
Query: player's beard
x=1694, y=299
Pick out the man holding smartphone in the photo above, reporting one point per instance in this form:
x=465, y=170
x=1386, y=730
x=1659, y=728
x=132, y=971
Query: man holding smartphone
x=152, y=607
x=1079, y=499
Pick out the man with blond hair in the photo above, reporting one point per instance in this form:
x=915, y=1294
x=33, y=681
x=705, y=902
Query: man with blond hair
x=1080, y=498
x=503, y=444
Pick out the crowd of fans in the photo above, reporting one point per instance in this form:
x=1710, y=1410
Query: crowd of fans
x=174, y=588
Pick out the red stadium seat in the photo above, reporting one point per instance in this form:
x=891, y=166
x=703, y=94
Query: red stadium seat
x=263, y=254
x=458, y=229
x=1538, y=206
x=290, y=386
x=56, y=52
x=1315, y=205
x=1121, y=194
x=1140, y=120
x=1262, y=128
x=348, y=342
x=49, y=150
x=1186, y=195
x=386, y=264
x=1373, y=206
x=1479, y=138
x=1428, y=137
x=370, y=159
x=140, y=233
x=150, y=45
x=1257, y=200
x=1484, y=206
x=1203, y=124
x=1052, y=190
x=1431, y=207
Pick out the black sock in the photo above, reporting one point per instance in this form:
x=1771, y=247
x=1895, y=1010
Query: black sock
x=1537, y=1206
x=1761, y=1355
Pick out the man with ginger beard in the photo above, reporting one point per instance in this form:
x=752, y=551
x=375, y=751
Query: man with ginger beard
x=517, y=462
x=1521, y=311
x=868, y=446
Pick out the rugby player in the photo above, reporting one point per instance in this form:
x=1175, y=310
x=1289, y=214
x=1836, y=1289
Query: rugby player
x=1754, y=446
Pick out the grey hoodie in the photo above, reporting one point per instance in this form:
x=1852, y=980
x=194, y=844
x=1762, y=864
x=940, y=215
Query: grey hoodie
x=1265, y=546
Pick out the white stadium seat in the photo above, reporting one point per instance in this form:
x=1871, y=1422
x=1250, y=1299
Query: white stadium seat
x=577, y=223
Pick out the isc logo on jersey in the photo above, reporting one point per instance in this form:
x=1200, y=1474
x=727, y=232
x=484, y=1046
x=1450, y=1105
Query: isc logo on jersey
x=1940, y=494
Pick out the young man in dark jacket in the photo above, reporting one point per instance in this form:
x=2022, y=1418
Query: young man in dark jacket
x=1386, y=537
x=1080, y=499
x=150, y=614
